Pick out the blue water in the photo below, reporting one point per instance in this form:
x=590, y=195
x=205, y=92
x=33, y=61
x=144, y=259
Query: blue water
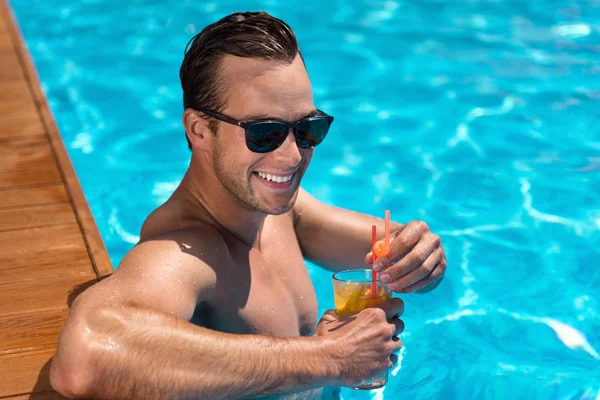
x=480, y=117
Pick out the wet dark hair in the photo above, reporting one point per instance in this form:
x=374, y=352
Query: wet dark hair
x=246, y=34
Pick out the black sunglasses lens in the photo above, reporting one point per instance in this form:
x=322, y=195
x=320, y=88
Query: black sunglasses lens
x=263, y=137
x=312, y=132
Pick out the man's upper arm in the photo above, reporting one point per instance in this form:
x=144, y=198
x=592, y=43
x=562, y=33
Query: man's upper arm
x=310, y=220
x=333, y=237
x=171, y=273
x=307, y=210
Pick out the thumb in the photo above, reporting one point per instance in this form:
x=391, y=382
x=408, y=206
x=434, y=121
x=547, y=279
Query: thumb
x=329, y=315
x=369, y=258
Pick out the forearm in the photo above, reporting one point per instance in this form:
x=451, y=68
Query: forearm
x=137, y=353
x=343, y=242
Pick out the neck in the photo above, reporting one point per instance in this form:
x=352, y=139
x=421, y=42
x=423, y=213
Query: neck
x=215, y=204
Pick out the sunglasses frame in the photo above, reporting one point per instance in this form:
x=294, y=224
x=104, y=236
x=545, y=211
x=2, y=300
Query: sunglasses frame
x=246, y=125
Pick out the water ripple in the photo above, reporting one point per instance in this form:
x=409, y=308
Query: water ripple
x=479, y=117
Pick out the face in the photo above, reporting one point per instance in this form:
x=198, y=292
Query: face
x=258, y=89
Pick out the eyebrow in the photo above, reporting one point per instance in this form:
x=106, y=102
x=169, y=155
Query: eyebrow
x=263, y=116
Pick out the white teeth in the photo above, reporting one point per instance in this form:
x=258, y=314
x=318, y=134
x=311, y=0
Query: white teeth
x=275, y=178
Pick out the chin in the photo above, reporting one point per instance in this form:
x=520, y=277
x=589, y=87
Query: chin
x=282, y=207
x=281, y=210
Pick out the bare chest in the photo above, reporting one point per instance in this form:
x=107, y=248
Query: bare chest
x=268, y=293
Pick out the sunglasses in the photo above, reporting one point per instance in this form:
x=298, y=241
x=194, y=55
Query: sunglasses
x=263, y=136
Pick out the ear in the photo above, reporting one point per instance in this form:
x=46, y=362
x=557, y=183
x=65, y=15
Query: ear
x=197, y=131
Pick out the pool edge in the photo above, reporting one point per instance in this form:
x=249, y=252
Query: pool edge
x=91, y=235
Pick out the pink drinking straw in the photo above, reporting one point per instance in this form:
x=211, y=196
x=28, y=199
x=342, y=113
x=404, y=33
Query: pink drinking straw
x=379, y=250
x=373, y=272
x=386, y=249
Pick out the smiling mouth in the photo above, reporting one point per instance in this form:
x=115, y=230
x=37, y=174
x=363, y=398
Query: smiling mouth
x=281, y=179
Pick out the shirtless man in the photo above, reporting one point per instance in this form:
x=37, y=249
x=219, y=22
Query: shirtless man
x=215, y=301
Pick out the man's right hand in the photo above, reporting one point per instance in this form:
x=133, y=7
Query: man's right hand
x=363, y=343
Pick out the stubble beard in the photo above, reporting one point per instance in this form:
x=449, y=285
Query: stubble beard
x=237, y=184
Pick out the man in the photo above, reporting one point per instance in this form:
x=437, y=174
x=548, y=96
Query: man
x=215, y=300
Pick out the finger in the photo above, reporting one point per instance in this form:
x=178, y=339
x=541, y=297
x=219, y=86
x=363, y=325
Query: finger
x=392, y=307
x=422, y=274
x=405, y=240
x=398, y=343
x=329, y=315
x=369, y=259
x=413, y=260
x=398, y=324
x=430, y=283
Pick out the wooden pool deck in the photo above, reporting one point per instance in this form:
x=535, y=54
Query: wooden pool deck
x=50, y=247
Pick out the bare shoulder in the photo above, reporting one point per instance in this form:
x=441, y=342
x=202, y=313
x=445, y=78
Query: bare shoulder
x=171, y=272
x=163, y=219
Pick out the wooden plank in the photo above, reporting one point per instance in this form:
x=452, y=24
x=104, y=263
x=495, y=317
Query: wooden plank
x=20, y=123
x=97, y=250
x=96, y=247
x=25, y=372
x=11, y=69
x=42, y=253
x=42, y=270
x=25, y=153
x=42, y=295
x=36, y=216
x=30, y=177
x=12, y=90
x=5, y=42
x=15, y=101
x=3, y=27
x=31, y=331
x=53, y=193
x=19, y=113
x=15, y=97
x=5, y=15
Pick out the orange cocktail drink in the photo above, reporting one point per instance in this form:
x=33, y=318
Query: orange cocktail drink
x=352, y=291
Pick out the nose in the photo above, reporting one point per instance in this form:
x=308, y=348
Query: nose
x=288, y=152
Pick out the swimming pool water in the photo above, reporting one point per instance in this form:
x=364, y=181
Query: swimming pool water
x=480, y=117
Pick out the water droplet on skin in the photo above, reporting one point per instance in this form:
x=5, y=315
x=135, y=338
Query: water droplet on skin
x=181, y=283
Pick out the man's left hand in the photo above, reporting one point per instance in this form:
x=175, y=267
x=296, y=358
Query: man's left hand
x=416, y=261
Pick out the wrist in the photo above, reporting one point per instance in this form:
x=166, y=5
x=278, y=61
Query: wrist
x=329, y=365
